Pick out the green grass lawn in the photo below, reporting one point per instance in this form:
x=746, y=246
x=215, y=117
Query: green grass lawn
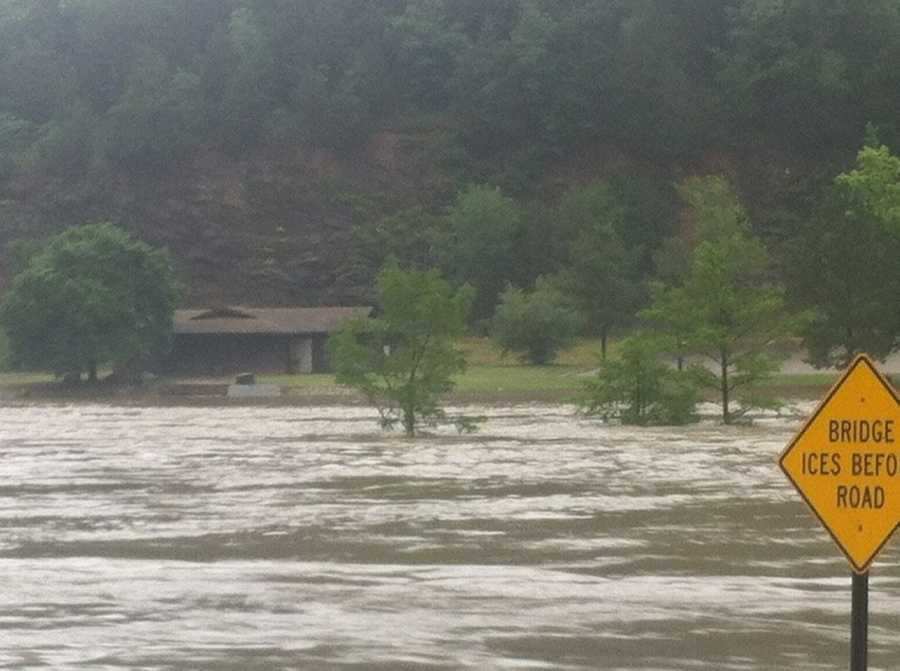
x=297, y=381
x=519, y=378
x=21, y=379
x=491, y=373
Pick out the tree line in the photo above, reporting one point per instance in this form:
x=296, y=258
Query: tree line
x=139, y=85
x=94, y=296
x=716, y=304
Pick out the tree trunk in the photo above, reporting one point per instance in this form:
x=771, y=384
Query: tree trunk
x=92, y=372
x=409, y=420
x=726, y=414
x=604, y=333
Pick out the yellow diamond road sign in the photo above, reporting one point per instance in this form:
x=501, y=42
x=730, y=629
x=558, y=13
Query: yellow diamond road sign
x=845, y=462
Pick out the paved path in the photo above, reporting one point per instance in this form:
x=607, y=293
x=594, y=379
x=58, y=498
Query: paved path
x=795, y=364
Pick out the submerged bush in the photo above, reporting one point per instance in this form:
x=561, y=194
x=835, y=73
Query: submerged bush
x=637, y=388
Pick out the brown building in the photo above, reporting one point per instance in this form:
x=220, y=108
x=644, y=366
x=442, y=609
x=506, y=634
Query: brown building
x=228, y=340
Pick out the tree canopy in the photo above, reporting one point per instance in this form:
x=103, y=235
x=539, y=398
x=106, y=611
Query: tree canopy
x=137, y=83
x=404, y=359
x=88, y=297
x=726, y=308
x=844, y=264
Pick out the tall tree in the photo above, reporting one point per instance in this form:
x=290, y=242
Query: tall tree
x=404, y=360
x=536, y=324
x=602, y=276
x=727, y=309
x=90, y=296
x=872, y=188
x=844, y=264
x=481, y=230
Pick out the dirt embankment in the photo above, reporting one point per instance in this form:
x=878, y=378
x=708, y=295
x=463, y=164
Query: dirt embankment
x=274, y=227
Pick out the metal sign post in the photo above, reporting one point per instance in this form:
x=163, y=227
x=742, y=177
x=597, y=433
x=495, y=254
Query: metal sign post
x=859, y=623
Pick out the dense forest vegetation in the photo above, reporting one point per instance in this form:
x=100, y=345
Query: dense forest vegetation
x=141, y=84
x=262, y=139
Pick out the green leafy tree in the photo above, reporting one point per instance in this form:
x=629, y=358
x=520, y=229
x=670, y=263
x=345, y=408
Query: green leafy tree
x=738, y=316
x=671, y=315
x=872, y=189
x=482, y=226
x=843, y=265
x=538, y=324
x=636, y=387
x=727, y=308
x=805, y=70
x=410, y=236
x=602, y=276
x=404, y=360
x=90, y=296
x=159, y=118
x=429, y=43
x=15, y=135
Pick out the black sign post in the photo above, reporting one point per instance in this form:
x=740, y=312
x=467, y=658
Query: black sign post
x=859, y=623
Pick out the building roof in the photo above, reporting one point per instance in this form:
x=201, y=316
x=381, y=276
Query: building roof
x=271, y=321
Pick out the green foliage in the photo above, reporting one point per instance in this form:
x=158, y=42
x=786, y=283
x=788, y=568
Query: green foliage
x=64, y=144
x=726, y=308
x=15, y=136
x=410, y=236
x=531, y=94
x=637, y=387
x=482, y=226
x=872, y=189
x=429, y=43
x=663, y=78
x=404, y=360
x=538, y=324
x=843, y=265
x=716, y=209
x=158, y=119
x=671, y=314
x=805, y=70
x=90, y=296
x=602, y=274
x=5, y=363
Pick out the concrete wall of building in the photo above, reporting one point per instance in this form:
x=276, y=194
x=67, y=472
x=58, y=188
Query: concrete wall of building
x=301, y=354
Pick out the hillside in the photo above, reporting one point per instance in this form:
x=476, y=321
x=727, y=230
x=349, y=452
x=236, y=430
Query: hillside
x=272, y=226
x=260, y=141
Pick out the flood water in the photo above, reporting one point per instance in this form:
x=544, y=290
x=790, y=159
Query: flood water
x=302, y=538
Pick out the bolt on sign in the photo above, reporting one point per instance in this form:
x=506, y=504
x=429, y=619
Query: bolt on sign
x=845, y=462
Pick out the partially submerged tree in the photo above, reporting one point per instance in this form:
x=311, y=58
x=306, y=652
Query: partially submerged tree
x=738, y=317
x=637, y=387
x=538, y=324
x=727, y=308
x=404, y=360
x=90, y=296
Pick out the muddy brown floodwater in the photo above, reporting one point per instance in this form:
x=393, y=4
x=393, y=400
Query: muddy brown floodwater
x=301, y=538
